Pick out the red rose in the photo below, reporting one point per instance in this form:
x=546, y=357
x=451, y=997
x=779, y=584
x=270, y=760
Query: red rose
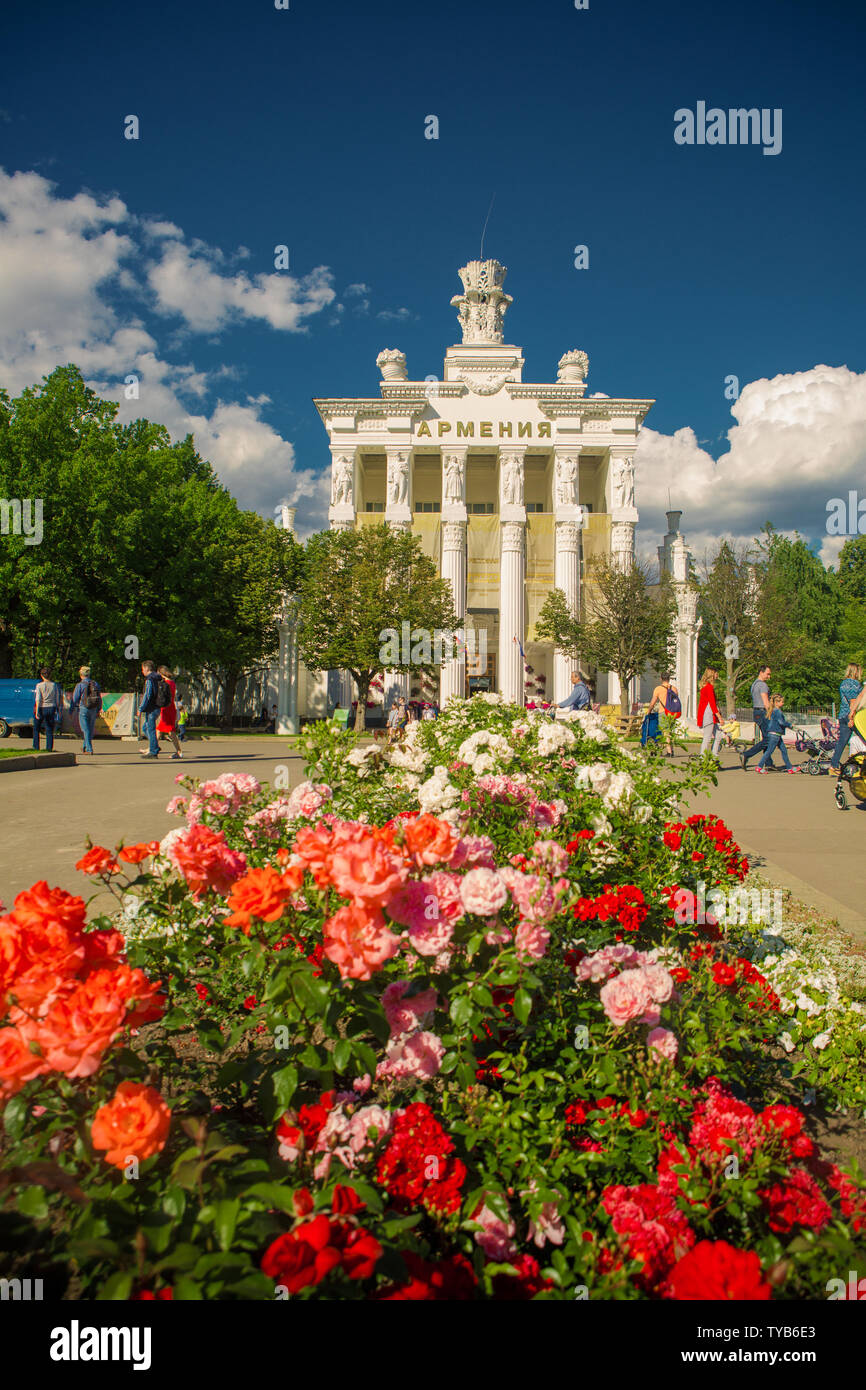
x=714, y=1270
x=345, y=1201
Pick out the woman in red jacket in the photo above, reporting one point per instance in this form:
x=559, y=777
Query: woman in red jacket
x=709, y=719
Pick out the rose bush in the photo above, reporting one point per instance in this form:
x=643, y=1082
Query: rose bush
x=425, y=1028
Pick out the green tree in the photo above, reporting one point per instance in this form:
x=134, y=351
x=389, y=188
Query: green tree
x=627, y=625
x=358, y=586
x=815, y=607
x=140, y=541
x=740, y=598
x=852, y=568
x=252, y=564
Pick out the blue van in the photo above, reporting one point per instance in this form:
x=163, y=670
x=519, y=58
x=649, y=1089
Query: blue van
x=17, y=698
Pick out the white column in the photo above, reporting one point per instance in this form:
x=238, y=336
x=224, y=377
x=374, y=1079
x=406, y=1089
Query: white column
x=567, y=578
x=512, y=609
x=453, y=568
x=342, y=517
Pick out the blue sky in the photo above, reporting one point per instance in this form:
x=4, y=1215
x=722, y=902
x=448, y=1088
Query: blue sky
x=306, y=127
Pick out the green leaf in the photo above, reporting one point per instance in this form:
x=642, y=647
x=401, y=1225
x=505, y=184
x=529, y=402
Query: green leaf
x=461, y=1010
x=116, y=1288
x=32, y=1202
x=342, y=1054
x=285, y=1083
x=522, y=1005
x=174, y=1202
x=187, y=1290
x=225, y=1220
x=15, y=1116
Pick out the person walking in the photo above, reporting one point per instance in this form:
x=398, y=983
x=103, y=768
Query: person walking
x=760, y=715
x=47, y=709
x=776, y=726
x=149, y=708
x=168, y=713
x=709, y=719
x=650, y=730
x=397, y=719
x=87, y=699
x=850, y=700
x=580, y=696
x=183, y=717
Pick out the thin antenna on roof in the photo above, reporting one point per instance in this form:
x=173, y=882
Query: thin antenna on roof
x=484, y=229
x=670, y=508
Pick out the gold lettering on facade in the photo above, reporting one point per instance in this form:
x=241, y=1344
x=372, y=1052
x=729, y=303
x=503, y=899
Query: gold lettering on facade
x=465, y=429
x=423, y=429
x=444, y=427
x=544, y=430
x=524, y=430
x=485, y=429
x=504, y=428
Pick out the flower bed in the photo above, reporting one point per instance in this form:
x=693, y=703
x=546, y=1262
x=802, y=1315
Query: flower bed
x=425, y=1028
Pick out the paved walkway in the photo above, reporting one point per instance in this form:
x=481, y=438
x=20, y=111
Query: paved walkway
x=47, y=814
x=789, y=826
x=794, y=833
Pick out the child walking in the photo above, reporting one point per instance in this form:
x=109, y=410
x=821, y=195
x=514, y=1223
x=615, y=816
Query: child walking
x=776, y=726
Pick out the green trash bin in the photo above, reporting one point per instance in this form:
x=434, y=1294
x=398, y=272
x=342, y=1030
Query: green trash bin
x=340, y=717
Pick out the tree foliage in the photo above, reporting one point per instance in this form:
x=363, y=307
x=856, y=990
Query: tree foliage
x=627, y=625
x=139, y=540
x=356, y=586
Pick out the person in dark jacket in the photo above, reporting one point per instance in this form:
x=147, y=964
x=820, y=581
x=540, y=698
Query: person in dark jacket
x=87, y=699
x=149, y=708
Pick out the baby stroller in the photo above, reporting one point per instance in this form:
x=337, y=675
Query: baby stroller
x=817, y=749
x=852, y=773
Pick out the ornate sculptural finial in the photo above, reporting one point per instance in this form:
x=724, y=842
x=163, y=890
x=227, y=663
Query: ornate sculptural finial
x=482, y=305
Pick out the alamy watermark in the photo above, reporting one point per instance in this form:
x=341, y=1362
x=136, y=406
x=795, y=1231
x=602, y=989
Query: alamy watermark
x=737, y=126
x=847, y=517
x=22, y=517
x=735, y=906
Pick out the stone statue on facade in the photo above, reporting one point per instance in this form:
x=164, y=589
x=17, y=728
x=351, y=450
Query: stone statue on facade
x=342, y=481
x=623, y=483
x=565, y=482
x=398, y=480
x=512, y=481
x=453, y=478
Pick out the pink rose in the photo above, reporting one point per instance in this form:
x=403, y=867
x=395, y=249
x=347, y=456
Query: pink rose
x=625, y=997
x=483, y=892
x=531, y=940
x=659, y=983
x=496, y=1237
x=662, y=1040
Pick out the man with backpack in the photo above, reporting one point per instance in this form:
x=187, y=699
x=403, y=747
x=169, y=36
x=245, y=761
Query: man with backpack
x=155, y=697
x=87, y=699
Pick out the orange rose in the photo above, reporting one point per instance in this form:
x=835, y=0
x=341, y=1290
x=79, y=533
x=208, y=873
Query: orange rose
x=17, y=1063
x=49, y=952
x=261, y=893
x=11, y=955
x=99, y=862
x=40, y=904
x=134, y=1124
x=86, y=1018
x=429, y=841
x=133, y=854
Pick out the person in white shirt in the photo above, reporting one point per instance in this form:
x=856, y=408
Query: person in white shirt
x=47, y=710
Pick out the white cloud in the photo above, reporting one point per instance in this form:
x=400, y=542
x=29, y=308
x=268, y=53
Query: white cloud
x=394, y=314
x=186, y=283
x=798, y=440
x=61, y=262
